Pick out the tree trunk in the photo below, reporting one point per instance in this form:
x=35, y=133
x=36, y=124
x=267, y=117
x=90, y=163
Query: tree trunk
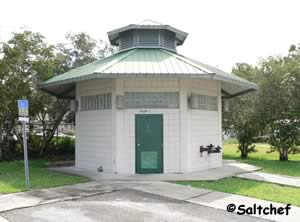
x=243, y=149
x=51, y=135
x=283, y=156
x=244, y=154
x=1, y=152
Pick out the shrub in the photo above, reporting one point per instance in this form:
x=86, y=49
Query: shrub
x=64, y=145
x=58, y=146
x=285, y=139
x=35, y=143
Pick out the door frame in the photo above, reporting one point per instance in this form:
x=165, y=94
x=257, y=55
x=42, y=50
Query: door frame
x=162, y=145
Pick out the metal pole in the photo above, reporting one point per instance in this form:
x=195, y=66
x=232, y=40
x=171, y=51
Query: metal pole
x=25, y=156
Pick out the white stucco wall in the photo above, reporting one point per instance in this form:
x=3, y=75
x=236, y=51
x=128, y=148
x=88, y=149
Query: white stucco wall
x=94, y=130
x=205, y=128
x=107, y=138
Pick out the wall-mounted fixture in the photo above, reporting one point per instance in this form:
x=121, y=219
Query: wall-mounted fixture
x=193, y=102
x=210, y=149
x=226, y=105
x=100, y=169
x=73, y=105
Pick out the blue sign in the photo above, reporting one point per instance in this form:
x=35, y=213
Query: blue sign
x=23, y=104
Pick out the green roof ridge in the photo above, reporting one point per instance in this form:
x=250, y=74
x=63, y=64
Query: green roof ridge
x=107, y=66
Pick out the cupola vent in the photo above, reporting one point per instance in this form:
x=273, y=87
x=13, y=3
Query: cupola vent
x=153, y=35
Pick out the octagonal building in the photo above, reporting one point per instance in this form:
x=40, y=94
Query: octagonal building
x=147, y=109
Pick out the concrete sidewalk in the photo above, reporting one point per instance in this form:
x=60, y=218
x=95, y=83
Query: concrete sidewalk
x=230, y=168
x=201, y=197
x=217, y=200
x=272, y=178
x=63, y=193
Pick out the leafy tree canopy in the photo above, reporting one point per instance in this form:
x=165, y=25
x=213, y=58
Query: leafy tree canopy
x=26, y=59
x=273, y=110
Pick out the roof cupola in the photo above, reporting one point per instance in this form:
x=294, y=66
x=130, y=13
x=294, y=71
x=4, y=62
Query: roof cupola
x=148, y=34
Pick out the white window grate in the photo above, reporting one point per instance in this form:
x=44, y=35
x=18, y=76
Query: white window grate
x=204, y=102
x=95, y=102
x=137, y=100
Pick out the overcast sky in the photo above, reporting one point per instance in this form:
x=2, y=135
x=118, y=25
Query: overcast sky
x=221, y=32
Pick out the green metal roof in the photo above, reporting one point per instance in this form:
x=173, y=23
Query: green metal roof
x=147, y=63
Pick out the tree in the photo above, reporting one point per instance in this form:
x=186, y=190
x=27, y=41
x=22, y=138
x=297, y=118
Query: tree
x=242, y=121
x=274, y=109
x=285, y=138
x=279, y=102
x=22, y=57
x=242, y=117
x=80, y=49
x=26, y=59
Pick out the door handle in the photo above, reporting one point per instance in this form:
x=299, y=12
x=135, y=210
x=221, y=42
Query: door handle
x=138, y=144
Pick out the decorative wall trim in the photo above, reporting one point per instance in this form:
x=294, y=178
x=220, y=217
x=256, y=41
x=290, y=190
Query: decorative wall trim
x=137, y=100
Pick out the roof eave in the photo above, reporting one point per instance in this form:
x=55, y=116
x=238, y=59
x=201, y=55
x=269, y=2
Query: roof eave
x=44, y=86
x=238, y=82
x=65, y=94
x=97, y=75
x=231, y=83
x=230, y=96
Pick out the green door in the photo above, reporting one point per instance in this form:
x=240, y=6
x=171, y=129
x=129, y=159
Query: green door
x=149, y=143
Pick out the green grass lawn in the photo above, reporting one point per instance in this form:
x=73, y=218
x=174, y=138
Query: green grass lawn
x=267, y=161
x=12, y=176
x=260, y=190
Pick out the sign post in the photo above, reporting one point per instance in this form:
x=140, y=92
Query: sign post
x=23, y=117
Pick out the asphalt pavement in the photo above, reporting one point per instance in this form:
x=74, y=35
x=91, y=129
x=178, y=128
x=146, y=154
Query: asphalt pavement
x=122, y=205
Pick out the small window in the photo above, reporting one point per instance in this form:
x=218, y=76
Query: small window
x=95, y=102
x=204, y=102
